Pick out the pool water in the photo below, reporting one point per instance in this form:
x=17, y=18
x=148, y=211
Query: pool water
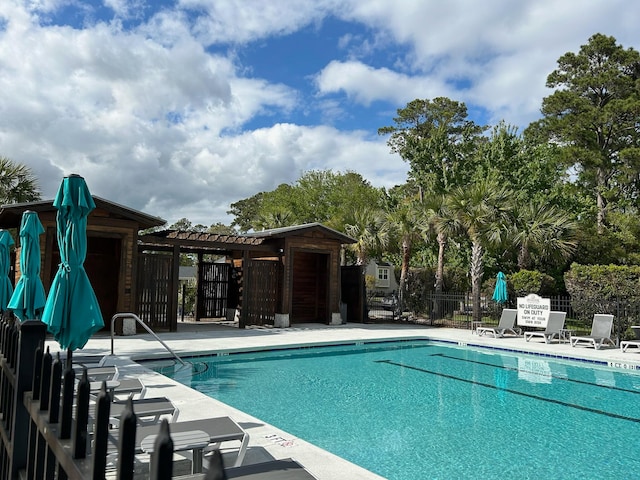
x=414, y=410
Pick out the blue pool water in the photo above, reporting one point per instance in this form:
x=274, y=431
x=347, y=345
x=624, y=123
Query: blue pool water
x=413, y=410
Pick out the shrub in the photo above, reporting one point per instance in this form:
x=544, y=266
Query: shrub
x=525, y=282
x=613, y=289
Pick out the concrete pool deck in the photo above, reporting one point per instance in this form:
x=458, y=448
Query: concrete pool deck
x=267, y=441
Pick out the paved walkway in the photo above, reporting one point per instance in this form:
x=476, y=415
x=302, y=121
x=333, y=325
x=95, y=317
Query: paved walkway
x=268, y=441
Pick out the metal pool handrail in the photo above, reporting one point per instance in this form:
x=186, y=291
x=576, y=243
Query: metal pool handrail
x=146, y=327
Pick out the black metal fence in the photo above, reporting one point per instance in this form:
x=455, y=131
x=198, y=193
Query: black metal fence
x=455, y=310
x=46, y=429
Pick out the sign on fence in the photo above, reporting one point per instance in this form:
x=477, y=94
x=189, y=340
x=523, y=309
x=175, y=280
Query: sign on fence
x=533, y=311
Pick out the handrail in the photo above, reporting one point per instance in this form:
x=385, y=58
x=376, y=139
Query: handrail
x=146, y=327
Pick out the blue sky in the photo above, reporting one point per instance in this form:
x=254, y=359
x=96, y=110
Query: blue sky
x=180, y=108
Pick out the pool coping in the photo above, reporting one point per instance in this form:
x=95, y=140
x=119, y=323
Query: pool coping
x=626, y=365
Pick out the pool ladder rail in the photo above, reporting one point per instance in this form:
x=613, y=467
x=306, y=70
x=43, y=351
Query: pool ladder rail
x=146, y=327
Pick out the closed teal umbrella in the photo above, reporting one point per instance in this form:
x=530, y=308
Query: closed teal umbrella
x=72, y=312
x=500, y=292
x=28, y=299
x=6, y=289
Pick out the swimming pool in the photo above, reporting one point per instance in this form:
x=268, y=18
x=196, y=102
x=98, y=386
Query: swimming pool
x=412, y=410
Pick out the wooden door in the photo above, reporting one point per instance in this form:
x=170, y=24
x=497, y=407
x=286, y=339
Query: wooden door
x=310, y=289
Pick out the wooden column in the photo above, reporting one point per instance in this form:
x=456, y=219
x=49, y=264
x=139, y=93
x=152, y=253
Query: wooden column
x=172, y=307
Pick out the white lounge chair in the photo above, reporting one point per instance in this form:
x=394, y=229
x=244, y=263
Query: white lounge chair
x=148, y=410
x=600, y=332
x=506, y=324
x=554, y=325
x=219, y=429
x=631, y=343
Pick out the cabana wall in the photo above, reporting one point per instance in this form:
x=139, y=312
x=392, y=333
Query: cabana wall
x=112, y=250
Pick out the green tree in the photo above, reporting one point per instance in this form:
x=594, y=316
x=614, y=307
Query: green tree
x=404, y=224
x=320, y=196
x=184, y=224
x=17, y=183
x=482, y=212
x=366, y=227
x=222, y=229
x=439, y=142
x=542, y=228
x=246, y=211
x=594, y=114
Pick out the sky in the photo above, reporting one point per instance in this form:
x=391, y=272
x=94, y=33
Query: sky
x=180, y=108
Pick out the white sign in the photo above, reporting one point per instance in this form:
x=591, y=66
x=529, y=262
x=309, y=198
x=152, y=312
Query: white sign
x=533, y=311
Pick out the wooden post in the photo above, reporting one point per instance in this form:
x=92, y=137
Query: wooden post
x=197, y=308
x=172, y=307
x=244, y=297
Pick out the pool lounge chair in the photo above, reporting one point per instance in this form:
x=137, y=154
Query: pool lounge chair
x=631, y=343
x=600, y=332
x=286, y=469
x=219, y=429
x=554, y=325
x=506, y=324
x=148, y=410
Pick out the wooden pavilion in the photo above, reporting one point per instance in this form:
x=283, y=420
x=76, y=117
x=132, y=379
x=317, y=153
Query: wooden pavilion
x=279, y=276
x=275, y=277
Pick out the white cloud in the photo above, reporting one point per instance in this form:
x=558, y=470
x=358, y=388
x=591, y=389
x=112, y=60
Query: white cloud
x=156, y=120
x=498, y=51
x=366, y=84
x=241, y=21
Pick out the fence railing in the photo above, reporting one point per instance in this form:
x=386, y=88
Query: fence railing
x=455, y=309
x=51, y=428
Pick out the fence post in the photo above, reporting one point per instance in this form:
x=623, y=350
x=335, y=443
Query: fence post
x=162, y=461
x=80, y=435
x=68, y=385
x=101, y=437
x=31, y=335
x=127, y=442
x=54, y=392
x=54, y=406
x=40, y=445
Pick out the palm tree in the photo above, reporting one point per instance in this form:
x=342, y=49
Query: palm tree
x=480, y=211
x=542, y=228
x=366, y=228
x=404, y=222
x=274, y=218
x=17, y=183
x=435, y=222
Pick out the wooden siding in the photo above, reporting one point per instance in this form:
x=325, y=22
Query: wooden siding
x=260, y=291
x=114, y=288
